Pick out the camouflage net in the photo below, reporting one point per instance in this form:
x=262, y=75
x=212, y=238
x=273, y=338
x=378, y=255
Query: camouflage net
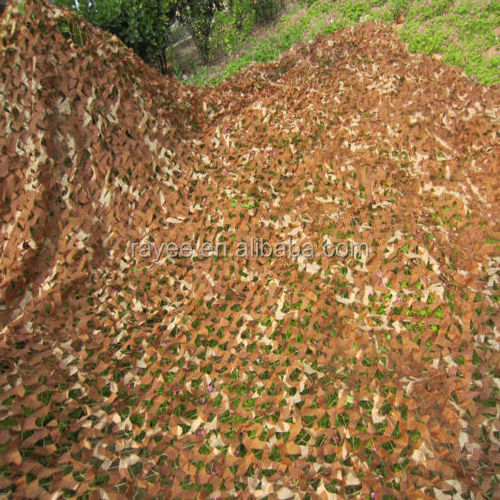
x=245, y=377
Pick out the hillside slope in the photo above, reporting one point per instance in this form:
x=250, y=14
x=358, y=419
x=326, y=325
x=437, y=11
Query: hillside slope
x=243, y=376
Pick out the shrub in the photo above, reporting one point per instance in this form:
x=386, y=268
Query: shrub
x=144, y=25
x=140, y=24
x=233, y=25
x=266, y=10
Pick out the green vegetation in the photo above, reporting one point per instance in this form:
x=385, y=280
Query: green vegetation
x=234, y=25
x=197, y=16
x=462, y=31
x=146, y=25
x=140, y=24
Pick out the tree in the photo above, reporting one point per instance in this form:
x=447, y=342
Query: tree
x=143, y=25
x=198, y=16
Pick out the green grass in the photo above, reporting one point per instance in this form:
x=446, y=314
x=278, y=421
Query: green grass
x=462, y=31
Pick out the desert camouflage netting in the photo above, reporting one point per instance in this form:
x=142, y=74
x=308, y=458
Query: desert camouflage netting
x=219, y=377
